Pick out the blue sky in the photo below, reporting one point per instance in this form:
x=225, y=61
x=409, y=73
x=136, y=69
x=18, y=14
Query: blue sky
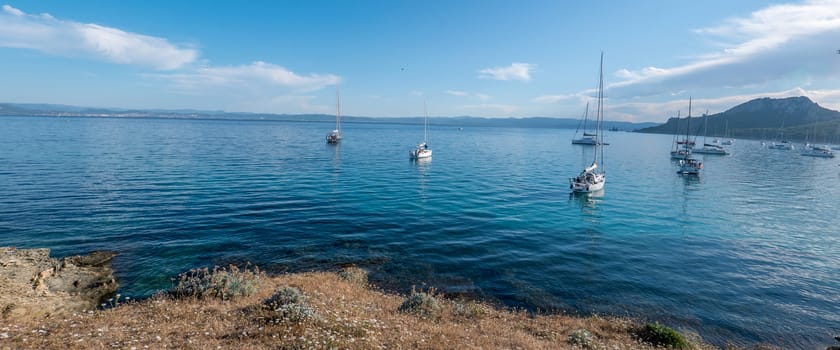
x=478, y=58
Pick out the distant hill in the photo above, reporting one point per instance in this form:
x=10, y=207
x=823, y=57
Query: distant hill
x=764, y=118
x=15, y=109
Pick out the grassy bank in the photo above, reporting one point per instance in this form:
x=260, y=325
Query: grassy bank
x=320, y=310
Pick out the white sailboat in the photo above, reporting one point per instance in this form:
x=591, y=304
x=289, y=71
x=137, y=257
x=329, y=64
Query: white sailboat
x=729, y=141
x=335, y=136
x=590, y=179
x=422, y=150
x=588, y=138
x=710, y=148
x=814, y=150
x=682, y=148
x=688, y=165
x=782, y=144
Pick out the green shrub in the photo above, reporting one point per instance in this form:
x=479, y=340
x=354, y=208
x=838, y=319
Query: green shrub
x=219, y=283
x=421, y=304
x=289, y=304
x=659, y=335
x=354, y=275
x=468, y=309
x=284, y=296
x=581, y=338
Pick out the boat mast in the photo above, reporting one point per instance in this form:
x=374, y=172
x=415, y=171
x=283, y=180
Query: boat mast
x=687, y=128
x=338, y=108
x=599, y=140
x=425, y=121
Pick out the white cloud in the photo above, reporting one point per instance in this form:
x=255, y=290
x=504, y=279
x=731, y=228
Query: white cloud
x=457, y=93
x=558, y=98
x=773, y=44
x=516, y=71
x=255, y=76
x=12, y=11
x=67, y=38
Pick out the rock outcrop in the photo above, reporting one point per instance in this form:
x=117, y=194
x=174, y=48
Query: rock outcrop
x=34, y=285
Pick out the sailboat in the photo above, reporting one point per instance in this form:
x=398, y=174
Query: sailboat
x=682, y=148
x=709, y=148
x=590, y=180
x=335, y=136
x=588, y=138
x=422, y=150
x=782, y=144
x=729, y=141
x=688, y=165
x=815, y=150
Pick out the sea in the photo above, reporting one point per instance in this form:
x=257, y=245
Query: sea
x=747, y=252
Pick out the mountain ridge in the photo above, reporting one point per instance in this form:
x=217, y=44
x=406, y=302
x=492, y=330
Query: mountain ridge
x=798, y=118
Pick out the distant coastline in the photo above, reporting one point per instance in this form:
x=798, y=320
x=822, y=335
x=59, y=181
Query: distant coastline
x=50, y=110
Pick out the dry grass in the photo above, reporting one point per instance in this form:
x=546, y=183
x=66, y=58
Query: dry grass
x=348, y=316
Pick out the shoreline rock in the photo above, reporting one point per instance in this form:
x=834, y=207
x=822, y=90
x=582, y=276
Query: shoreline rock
x=34, y=284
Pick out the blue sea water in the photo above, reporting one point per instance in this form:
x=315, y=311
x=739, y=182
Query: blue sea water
x=747, y=252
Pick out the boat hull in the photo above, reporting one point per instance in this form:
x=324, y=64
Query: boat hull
x=714, y=151
x=818, y=153
x=420, y=154
x=333, y=137
x=588, y=184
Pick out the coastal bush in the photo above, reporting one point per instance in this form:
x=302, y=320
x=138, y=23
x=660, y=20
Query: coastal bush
x=581, y=338
x=354, y=275
x=289, y=304
x=421, y=304
x=659, y=335
x=222, y=283
x=468, y=309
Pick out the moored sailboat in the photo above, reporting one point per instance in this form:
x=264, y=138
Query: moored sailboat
x=688, y=165
x=422, y=149
x=591, y=179
x=335, y=136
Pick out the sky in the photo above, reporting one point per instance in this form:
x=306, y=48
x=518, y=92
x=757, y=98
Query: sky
x=485, y=58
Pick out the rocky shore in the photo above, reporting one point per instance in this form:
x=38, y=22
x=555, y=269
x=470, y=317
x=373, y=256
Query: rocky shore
x=50, y=303
x=32, y=284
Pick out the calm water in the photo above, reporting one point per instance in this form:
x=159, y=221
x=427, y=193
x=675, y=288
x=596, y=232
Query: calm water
x=746, y=252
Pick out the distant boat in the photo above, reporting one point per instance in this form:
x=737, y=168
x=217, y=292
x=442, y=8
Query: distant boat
x=728, y=141
x=817, y=151
x=782, y=144
x=588, y=138
x=709, y=148
x=335, y=136
x=422, y=150
x=682, y=148
x=813, y=150
x=688, y=165
x=590, y=179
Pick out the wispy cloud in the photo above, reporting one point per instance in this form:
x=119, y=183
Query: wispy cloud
x=516, y=71
x=12, y=11
x=67, y=38
x=559, y=98
x=773, y=44
x=257, y=75
x=457, y=93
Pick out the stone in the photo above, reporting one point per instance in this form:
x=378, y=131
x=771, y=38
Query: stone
x=32, y=284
